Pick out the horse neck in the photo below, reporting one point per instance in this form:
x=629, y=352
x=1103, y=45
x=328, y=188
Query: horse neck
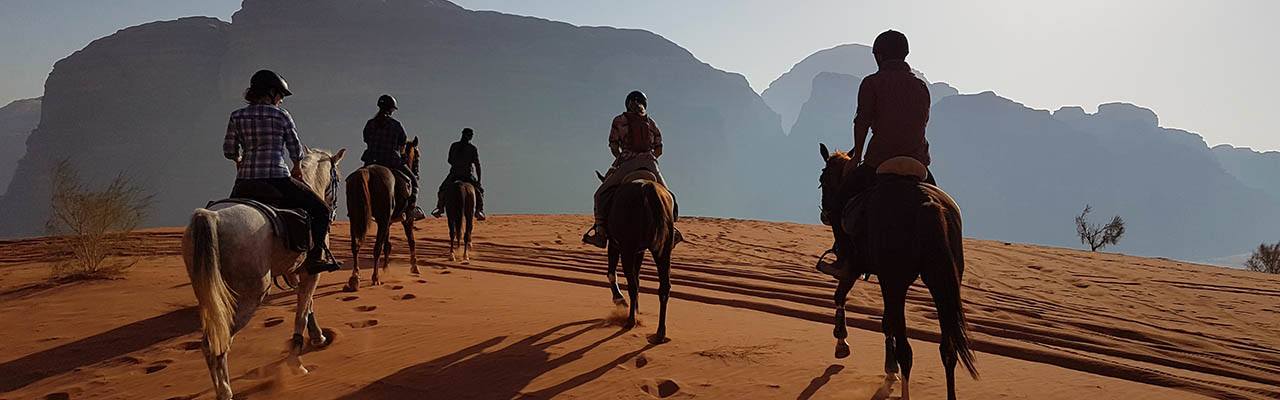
x=316, y=176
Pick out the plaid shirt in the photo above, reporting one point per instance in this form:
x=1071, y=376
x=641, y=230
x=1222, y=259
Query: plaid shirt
x=384, y=137
x=263, y=132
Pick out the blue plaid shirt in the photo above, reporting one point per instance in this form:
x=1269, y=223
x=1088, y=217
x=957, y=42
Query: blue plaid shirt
x=263, y=132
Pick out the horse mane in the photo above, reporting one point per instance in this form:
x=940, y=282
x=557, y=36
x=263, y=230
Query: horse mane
x=313, y=172
x=839, y=155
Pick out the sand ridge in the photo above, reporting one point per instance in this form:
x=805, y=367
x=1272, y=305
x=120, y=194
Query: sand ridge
x=530, y=317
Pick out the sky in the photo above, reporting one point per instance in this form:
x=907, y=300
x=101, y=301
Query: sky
x=1207, y=67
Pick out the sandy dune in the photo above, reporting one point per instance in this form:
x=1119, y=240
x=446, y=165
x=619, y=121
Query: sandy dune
x=530, y=317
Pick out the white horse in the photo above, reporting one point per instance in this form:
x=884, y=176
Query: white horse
x=232, y=254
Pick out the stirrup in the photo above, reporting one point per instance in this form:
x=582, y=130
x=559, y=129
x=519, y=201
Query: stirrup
x=480, y=216
x=832, y=269
x=437, y=212
x=416, y=214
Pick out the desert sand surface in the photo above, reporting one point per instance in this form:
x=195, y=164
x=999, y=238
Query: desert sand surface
x=530, y=317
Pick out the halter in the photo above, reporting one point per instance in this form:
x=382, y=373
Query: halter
x=331, y=191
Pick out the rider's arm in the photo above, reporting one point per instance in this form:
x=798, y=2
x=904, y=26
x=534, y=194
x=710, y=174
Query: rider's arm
x=291, y=139
x=475, y=158
x=864, y=118
x=231, y=143
x=657, y=139
x=617, y=132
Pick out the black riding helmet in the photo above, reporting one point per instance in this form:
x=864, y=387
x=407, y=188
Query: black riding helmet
x=891, y=44
x=638, y=97
x=387, y=102
x=268, y=79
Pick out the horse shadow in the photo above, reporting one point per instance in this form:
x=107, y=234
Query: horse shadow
x=104, y=346
x=477, y=372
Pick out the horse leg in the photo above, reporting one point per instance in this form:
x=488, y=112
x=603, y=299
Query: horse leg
x=380, y=241
x=453, y=238
x=613, y=277
x=353, y=283
x=217, y=370
x=313, y=327
x=841, y=332
x=386, y=251
x=306, y=289
x=466, y=251
x=413, y=252
x=631, y=268
x=895, y=295
x=664, y=292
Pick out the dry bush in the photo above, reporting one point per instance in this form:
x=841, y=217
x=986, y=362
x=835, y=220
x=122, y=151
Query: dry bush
x=1096, y=236
x=1265, y=259
x=88, y=224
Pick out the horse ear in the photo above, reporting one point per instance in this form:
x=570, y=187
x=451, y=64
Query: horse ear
x=338, y=157
x=822, y=149
x=414, y=143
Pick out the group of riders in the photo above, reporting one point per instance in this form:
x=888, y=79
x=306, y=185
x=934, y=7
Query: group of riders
x=261, y=139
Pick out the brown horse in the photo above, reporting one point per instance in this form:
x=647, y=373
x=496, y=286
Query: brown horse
x=641, y=217
x=460, y=206
x=373, y=195
x=905, y=229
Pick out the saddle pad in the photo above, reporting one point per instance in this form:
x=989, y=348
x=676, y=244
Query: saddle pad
x=903, y=165
x=293, y=226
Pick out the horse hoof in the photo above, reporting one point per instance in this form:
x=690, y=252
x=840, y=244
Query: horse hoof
x=659, y=338
x=414, y=270
x=620, y=302
x=842, y=349
x=300, y=370
x=321, y=342
x=890, y=377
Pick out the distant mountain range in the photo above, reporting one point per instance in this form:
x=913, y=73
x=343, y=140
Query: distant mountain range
x=540, y=95
x=17, y=119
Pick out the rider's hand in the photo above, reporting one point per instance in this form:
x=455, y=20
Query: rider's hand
x=296, y=172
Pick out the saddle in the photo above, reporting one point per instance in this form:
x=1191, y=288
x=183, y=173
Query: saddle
x=293, y=226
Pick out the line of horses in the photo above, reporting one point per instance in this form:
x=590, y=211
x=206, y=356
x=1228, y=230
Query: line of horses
x=232, y=255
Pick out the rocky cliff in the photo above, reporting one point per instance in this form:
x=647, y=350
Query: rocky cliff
x=152, y=101
x=1260, y=170
x=17, y=119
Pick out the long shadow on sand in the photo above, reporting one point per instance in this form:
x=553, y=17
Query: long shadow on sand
x=97, y=348
x=498, y=374
x=819, y=382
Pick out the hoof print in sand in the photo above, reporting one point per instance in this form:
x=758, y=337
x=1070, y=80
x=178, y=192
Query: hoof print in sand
x=273, y=321
x=641, y=361
x=349, y=298
x=422, y=281
x=363, y=324
x=406, y=296
x=660, y=388
x=396, y=287
x=58, y=396
x=366, y=308
x=190, y=346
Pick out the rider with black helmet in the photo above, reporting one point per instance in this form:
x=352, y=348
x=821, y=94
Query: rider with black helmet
x=386, y=140
x=636, y=144
x=258, y=138
x=464, y=165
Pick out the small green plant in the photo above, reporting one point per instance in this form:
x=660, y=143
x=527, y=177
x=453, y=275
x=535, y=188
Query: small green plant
x=1096, y=236
x=1265, y=259
x=88, y=224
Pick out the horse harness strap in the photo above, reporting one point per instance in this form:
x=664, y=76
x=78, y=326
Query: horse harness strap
x=292, y=225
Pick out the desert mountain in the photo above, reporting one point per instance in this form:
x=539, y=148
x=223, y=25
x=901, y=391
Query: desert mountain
x=17, y=119
x=1255, y=169
x=540, y=95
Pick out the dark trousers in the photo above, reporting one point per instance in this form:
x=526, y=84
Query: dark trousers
x=291, y=193
x=465, y=176
x=862, y=179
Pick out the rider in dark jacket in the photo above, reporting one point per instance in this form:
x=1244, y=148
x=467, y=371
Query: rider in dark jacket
x=464, y=165
x=386, y=140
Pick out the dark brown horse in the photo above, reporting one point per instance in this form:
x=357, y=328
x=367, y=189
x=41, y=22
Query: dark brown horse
x=641, y=217
x=374, y=195
x=904, y=229
x=459, y=207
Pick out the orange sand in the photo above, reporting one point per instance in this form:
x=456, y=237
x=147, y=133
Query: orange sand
x=530, y=317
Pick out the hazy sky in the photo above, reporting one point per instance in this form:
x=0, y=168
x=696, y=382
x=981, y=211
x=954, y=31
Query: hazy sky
x=1205, y=66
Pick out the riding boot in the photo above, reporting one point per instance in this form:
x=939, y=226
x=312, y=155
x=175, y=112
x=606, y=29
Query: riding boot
x=480, y=205
x=599, y=239
x=414, y=212
x=439, y=211
x=319, y=259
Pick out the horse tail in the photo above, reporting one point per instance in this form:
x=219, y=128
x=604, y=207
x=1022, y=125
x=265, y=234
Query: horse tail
x=359, y=210
x=216, y=301
x=654, y=215
x=942, y=265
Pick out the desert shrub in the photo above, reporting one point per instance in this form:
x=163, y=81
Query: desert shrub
x=1265, y=259
x=1097, y=236
x=87, y=223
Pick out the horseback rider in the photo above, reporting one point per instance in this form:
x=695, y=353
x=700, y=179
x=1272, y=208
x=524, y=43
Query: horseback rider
x=893, y=103
x=464, y=166
x=636, y=144
x=258, y=137
x=386, y=140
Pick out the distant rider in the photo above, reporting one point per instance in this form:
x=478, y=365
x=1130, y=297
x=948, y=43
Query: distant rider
x=386, y=141
x=464, y=166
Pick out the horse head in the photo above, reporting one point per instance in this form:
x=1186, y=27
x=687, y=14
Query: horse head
x=835, y=165
x=320, y=172
x=411, y=155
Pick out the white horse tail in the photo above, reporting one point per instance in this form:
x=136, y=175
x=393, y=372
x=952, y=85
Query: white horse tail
x=216, y=301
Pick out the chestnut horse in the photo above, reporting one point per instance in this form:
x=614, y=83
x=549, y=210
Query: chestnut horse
x=641, y=217
x=899, y=230
x=374, y=195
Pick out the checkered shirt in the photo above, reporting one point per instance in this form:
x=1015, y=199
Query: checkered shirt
x=384, y=137
x=261, y=134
